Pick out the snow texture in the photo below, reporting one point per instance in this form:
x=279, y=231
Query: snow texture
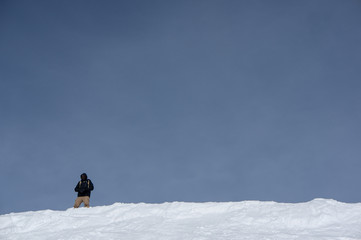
x=320, y=219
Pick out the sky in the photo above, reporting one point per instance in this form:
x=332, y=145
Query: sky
x=196, y=101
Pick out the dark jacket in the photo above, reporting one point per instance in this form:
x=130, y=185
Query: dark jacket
x=84, y=187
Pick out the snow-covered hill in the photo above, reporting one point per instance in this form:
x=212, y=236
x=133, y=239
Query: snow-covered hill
x=319, y=219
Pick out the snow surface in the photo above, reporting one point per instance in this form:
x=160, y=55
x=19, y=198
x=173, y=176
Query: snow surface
x=319, y=219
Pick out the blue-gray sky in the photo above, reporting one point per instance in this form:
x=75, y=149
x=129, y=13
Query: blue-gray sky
x=179, y=101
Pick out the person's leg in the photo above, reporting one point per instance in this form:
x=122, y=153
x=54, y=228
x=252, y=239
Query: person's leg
x=78, y=201
x=86, y=202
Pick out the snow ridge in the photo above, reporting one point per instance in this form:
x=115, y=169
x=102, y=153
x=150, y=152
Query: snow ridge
x=320, y=219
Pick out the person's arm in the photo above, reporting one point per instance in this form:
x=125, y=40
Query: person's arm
x=91, y=186
x=76, y=189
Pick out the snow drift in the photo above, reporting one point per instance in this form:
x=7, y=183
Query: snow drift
x=319, y=219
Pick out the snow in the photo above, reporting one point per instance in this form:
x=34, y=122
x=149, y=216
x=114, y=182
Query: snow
x=320, y=219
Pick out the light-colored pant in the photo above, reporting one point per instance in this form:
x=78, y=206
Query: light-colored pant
x=80, y=200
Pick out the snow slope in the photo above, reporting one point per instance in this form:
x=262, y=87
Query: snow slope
x=319, y=219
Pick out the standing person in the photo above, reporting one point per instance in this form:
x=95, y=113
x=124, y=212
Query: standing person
x=83, y=188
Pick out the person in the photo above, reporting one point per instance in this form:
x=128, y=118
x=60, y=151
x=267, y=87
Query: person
x=83, y=188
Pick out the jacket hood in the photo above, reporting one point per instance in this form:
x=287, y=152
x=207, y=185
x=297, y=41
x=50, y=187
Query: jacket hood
x=84, y=174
